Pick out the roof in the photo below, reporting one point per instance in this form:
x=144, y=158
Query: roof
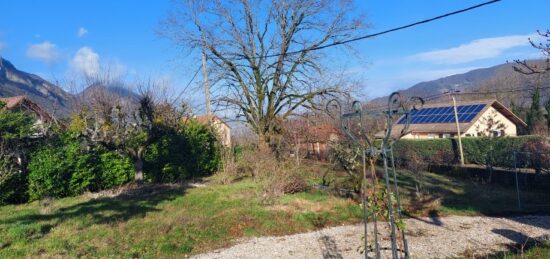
x=14, y=101
x=450, y=127
x=322, y=132
x=21, y=100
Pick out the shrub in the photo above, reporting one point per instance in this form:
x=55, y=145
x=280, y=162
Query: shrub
x=165, y=160
x=481, y=151
x=49, y=172
x=115, y=169
x=191, y=151
x=203, y=149
x=63, y=167
x=284, y=182
x=15, y=127
x=537, y=155
x=13, y=182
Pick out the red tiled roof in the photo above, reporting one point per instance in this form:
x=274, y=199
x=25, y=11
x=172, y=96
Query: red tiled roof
x=12, y=102
x=15, y=101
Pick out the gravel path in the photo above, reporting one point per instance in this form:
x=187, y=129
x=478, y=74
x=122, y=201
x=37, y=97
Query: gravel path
x=427, y=237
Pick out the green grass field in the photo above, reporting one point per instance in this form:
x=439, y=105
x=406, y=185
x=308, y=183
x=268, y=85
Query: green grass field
x=181, y=221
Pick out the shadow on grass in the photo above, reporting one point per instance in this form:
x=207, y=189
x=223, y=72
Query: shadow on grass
x=522, y=246
x=448, y=194
x=134, y=203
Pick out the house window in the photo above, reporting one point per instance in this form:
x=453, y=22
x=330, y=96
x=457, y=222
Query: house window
x=502, y=133
x=468, y=135
x=447, y=135
x=497, y=133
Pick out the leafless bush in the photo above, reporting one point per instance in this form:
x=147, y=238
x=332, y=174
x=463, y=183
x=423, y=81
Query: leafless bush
x=538, y=155
x=230, y=170
x=442, y=157
x=286, y=182
x=278, y=177
x=414, y=163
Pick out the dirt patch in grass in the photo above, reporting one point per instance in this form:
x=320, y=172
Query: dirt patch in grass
x=300, y=205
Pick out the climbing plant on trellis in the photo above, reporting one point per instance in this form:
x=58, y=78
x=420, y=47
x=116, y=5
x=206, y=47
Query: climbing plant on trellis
x=379, y=201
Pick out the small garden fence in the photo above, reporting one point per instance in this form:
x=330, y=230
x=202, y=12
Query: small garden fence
x=532, y=179
x=519, y=163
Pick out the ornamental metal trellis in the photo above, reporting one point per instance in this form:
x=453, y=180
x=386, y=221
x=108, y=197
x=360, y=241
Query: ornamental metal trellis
x=372, y=151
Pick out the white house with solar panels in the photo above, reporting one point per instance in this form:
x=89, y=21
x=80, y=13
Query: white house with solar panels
x=475, y=118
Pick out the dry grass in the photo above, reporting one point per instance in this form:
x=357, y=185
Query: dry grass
x=303, y=205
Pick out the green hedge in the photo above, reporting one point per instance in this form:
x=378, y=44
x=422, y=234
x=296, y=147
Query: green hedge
x=13, y=182
x=481, y=151
x=191, y=151
x=63, y=166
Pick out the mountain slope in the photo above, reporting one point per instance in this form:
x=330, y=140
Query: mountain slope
x=49, y=96
x=491, y=79
x=112, y=90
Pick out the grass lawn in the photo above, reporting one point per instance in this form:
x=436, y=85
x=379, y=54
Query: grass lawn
x=173, y=222
x=534, y=250
x=180, y=221
x=448, y=195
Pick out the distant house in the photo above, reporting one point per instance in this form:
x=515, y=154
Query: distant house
x=223, y=130
x=311, y=140
x=476, y=118
x=23, y=103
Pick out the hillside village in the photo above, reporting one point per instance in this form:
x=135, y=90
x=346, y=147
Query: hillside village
x=269, y=143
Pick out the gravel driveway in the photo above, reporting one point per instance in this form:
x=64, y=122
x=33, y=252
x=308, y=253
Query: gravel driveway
x=427, y=237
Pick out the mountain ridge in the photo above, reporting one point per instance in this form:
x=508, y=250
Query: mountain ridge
x=54, y=99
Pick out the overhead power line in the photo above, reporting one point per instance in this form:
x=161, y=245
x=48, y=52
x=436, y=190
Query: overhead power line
x=188, y=84
x=336, y=43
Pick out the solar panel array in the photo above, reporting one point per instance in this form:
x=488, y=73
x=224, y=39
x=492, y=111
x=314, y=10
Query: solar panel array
x=466, y=113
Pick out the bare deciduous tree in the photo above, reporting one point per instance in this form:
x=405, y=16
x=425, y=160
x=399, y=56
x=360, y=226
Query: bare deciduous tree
x=127, y=124
x=537, y=68
x=252, y=47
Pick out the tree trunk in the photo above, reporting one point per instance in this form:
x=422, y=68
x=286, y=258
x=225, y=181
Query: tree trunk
x=263, y=143
x=138, y=166
x=297, y=154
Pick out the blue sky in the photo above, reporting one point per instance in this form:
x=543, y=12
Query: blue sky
x=56, y=39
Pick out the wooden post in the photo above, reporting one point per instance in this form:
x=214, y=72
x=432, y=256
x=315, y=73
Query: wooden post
x=458, y=129
x=206, y=88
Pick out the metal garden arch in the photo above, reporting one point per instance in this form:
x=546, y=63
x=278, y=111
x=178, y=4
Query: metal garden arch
x=371, y=151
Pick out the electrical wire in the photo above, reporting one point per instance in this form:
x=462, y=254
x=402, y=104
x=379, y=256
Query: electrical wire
x=336, y=43
x=187, y=86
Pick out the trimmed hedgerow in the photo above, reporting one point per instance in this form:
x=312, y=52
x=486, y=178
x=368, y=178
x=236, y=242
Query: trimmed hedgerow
x=62, y=167
x=482, y=151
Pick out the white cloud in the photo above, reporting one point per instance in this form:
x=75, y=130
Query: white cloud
x=86, y=61
x=45, y=51
x=475, y=50
x=82, y=32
